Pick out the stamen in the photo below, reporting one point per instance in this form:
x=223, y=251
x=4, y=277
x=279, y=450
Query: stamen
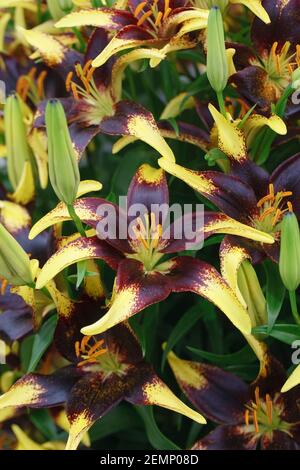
x=167, y=12
x=277, y=217
x=290, y=206
x=74, y=91
x=40, y=83
x=96, y=346
x=84, y=343
x=268, y=197
x=269, y=408
x=68, y=80
x=255, y=421
x=90, y=74
x=266, y=213
x=247, y=417
x=257, y=399
x=158, y=18
x=4, y=286
x=87, y=66
x=139, y=8
x=144, y=18
x=77, y=349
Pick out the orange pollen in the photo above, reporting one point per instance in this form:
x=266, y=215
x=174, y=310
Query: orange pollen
x=139, y=8
x=32, y=73
x=277, y=216
x=77, y=349
x=40, y=83
x=247, y=417
x=266, y=213
x=255, y=421
x=74, y=91
x=257, y=399
x=90, y=74
x=3, y=286
x=166, y=13
x=269, y=408
x=144, y=17
x=158, y=18
x=23, y=87
x=68, y=80
x=268, y=197
x=87, y=352
x=87, y=66
x=290, y=206
x=86, y=84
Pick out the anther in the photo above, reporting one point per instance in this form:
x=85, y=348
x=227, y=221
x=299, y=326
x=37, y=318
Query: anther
x=68, y=80
x=40, y=83
x=144, y=17
x=139, y=8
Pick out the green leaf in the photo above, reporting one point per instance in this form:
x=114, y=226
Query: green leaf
x=275, y=292
x=81, y=271
x=285, y=333
x=43, y=421
x=41, y=341
x=174, y=125
x=186, y=322
x=118, y=419
x=243, y=356
x=155, y=436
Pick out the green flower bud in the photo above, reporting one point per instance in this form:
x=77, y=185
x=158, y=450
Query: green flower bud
x=217, y=68
x=18, y=150
x=63, y=168
x=250, y=289
x=65, y=5
x=289, y=259
x=14, y=262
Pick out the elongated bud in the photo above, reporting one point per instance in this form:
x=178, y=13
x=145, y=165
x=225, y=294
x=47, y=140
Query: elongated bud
x=56, y=8
x=18, y=150
x=289, y=259
x=251, y=291
x=217, y=68
x=63, y=167
x=14, y=262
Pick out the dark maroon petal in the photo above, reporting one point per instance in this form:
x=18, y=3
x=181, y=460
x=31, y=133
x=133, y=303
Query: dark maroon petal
x=253, y=86
x=81, y=135
x=40, y=248
x=70, y=106
x=228, y=438
x=204, y=114
x=124, y=111
x=271, y=377
x=219, y=395
x=230, y=194
x=15, y=324
x=42, y=391
x=286, y=177
x=284, y=26
x=291, y=407
x=122, y=341
x=278, y=440
x=97, y=42
x=272, y=251
x=149, y=288
x=253, y=175
x=148, y=188
x=135, y=33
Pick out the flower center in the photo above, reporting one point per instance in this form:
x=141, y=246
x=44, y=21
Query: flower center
x=263, y=417
x=95, y=355
x=32, y=85
x=153, y=16
x=99, y=102
x=146, y=241
x=280, y=65
x=271, y=209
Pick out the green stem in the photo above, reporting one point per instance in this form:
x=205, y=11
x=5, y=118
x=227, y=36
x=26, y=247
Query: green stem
x=293, y=302
x=221, y=102
x=76, y=220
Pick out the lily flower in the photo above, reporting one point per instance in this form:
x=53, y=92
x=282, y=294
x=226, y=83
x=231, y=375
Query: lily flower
x=144, y=275
x=248, y=417
x=152, y=23
x=103, y=371
x=265, y=71
x=95, y=105
x=247, y=193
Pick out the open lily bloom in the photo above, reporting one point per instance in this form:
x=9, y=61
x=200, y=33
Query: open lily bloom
x=248, y=417
x=165, y=24
x=264, y=71
x=94, y=105
x=247, y=193
x=103, y=371
x=137, y=247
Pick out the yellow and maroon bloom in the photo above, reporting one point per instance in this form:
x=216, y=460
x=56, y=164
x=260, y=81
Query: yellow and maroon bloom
x=248, y=417
x=145, y=272
x=248, y=193
x=103, y=371
x=163, y=24
x=265, y=71
x=94, y=104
